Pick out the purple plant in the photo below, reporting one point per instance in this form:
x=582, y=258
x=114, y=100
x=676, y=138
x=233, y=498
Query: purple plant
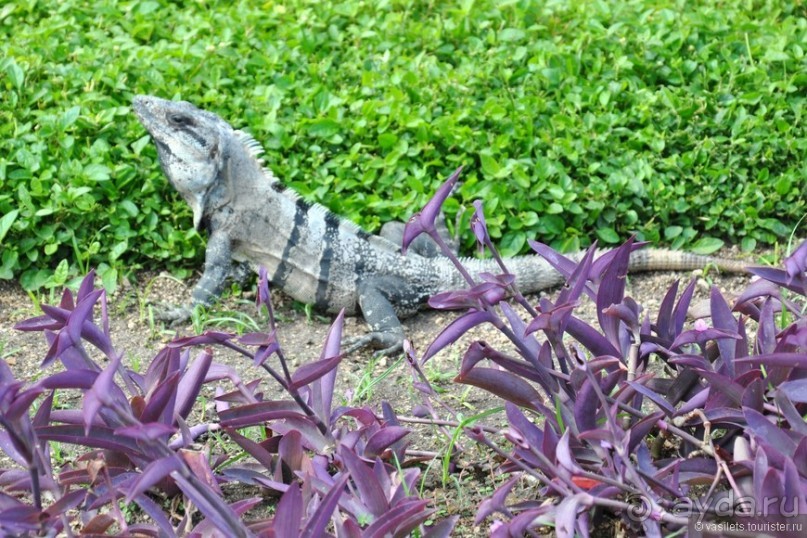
x=137, y=433
x=338, y=470
x=347, y=450
x=599, y=432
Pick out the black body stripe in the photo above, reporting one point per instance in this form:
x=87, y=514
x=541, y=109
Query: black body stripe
x=364, y=234
x=284, y=268
x=331, y=236
x=277, y=186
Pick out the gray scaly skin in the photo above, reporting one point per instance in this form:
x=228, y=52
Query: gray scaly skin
x=310, y=253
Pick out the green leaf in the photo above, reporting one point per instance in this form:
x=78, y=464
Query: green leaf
x=97, y=172
x=509, y=35
x=706, y=245
x=59, y=275
x=607, y=235
x=323, y=128
x=15, y=74
x=748, y=244
x=118, y=249
x=109, y=279
x=6, y=221
x=69, y=117
x=671, y=232
x=490, y=167
x=140, y=143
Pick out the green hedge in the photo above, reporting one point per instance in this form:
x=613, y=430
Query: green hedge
x=576, y=120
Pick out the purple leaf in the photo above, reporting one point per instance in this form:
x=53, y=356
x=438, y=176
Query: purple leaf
x=154, y=472
x=442, y=529
x=399, y=520
x=551, y=320
x=22, y=403
x=612, y=290
x=147, y=431
x=681, y=308
x=564, y=455
x=788, y=360
x=566, y=515
x=723, y=385
x=586, y=406
x=723, y=319
x=496, y=502
x=456, y=329
x=160, y=404
x=208, y=337
x=505, y=385
x=796, y=390
x=702, y=334
x=212, y=506
x=252, y=448
x=371, y=493
x=155, y=512
x=82, y=314
x=71, y=379
x=664, y=327
x=592, y=340
x=560, y=263
x=322, y=392
x=478, y=224
x=206, y=528
x=191, y=383
x=790, y=413
x=479, y=351
x=67, y=302
x=531, y=433
x=289, y=513
x=640, y=429
x=796, y=283
x=263, y=297
x=103, y=391
x=98, y=437
x=258, y=413
x=768, y=432
x=199, y=465
x=38, y=323
x=86, y=287
x=518, y=326
x=382, y=439
x=655, y=397
x=312, y=371
x=290, y=450
x=424, y=221
x=319, y=521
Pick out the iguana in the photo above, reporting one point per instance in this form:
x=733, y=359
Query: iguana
x=309, y=252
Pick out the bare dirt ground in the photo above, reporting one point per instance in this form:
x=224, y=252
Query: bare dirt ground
x=301, y=337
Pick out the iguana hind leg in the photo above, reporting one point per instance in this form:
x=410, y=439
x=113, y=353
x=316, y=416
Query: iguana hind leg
x=380, y=300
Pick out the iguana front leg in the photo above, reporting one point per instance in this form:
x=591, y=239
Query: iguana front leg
x=376, y=296
x=210, y=286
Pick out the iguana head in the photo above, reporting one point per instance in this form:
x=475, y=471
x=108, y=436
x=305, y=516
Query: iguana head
x=190, y=144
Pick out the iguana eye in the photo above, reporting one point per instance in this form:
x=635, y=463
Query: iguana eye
x=179, y=120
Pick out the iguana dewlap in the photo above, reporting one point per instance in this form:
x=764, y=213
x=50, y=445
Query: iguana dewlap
x=309, y=252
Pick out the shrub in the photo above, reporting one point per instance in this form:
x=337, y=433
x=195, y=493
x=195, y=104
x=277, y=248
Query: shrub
x=597, y=117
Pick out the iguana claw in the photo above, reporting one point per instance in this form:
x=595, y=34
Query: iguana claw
x=173, y=315
x=389, y=343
